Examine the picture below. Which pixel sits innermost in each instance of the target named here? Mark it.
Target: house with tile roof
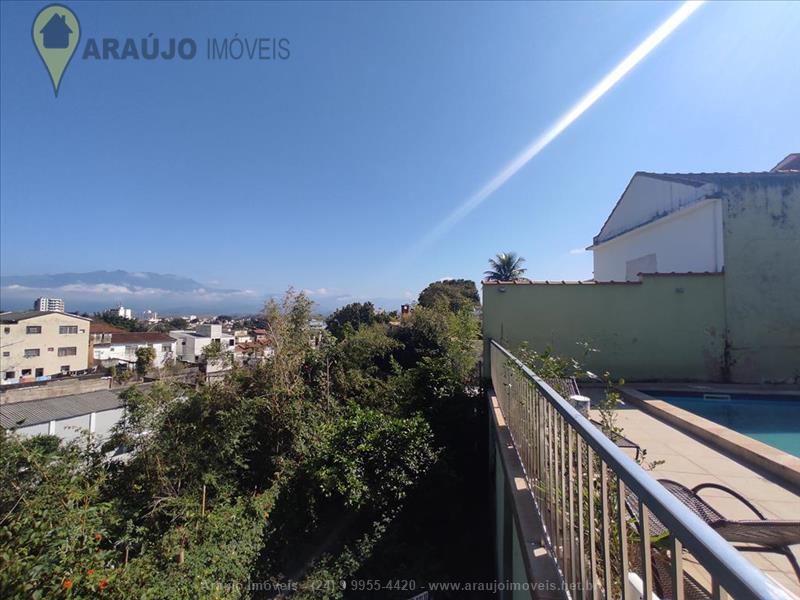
(122, 346)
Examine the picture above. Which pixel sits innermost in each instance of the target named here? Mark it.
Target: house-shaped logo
(55, 34)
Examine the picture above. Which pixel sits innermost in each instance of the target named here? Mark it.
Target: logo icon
(56, 33)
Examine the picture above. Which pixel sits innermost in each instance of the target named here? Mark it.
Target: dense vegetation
(357, 457)
(454, 294)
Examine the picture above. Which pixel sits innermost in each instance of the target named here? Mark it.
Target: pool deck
(690, 461)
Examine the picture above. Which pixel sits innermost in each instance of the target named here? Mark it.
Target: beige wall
(666, 327)
(14, 341)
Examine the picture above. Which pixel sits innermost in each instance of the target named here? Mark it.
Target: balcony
(576, 517)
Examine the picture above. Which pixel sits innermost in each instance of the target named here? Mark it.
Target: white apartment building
(38, 345)
(122, 347)
(190, 344)
(125, 313)
(49, 304)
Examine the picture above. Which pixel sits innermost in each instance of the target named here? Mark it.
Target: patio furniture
(759, 535)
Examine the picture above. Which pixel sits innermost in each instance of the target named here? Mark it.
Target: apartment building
(49, 304)
(37, 345)
(190, 344)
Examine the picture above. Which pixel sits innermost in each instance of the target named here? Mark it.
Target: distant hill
(164, 293)
(98, 290)
(132, 281)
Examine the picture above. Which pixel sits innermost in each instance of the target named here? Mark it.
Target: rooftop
(32, 412)
(141, 337)
(16, 317)
(103, 327)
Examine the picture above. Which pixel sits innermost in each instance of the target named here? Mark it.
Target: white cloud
(576, 251)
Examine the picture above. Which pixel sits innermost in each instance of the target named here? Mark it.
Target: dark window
(6, 329)
(64, 369)
(67, 329)
(33, 329)
(31, 352)
(26, 372)
(69, 351)
(39, 372)
(6, 353)
(9, 375)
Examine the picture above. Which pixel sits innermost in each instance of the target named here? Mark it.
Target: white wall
(686, 241)
(121, 352)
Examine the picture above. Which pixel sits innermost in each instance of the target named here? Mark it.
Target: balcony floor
(691, 462)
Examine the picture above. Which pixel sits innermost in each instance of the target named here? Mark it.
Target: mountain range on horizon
(142, 290)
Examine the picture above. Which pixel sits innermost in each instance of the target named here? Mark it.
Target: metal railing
(596, 505)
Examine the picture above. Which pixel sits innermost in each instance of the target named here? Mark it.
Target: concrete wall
(54, 389)
(666, 327)
(99, 423)
(699, 229)
(762, 279)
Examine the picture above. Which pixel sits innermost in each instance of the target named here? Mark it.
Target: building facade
(49, 304)
(696, 277)
(191, 343)
(38, 345)
(122, 346)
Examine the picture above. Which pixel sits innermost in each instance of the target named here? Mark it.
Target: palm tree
(506, 266)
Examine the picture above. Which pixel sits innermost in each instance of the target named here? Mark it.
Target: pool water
(770, 419)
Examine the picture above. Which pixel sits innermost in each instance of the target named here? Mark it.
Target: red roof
(141, 337)
(103, 327)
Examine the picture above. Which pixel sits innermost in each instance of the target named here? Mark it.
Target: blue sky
(323, 171)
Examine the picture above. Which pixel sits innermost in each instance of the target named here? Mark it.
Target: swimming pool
(774, 420)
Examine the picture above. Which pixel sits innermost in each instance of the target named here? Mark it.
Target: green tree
(356, 315)
(144, 359)
(454, 294)
(506, 266)
(112, 318)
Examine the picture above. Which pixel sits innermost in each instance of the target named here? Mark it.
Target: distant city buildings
(149, 316)
(49, 304)
(125, 313)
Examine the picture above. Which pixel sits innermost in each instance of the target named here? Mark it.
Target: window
(6, 353)
(33, 329)
(26, 372)
(9, 375)
(166, 347)
(68, 329)
(64, 369)
(39, 372)
(6, 329)
(69, 351)
(31, 352)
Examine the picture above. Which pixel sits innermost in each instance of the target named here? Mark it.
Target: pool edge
(777, 463)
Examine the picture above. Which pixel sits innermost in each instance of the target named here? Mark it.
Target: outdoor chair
(760, 535)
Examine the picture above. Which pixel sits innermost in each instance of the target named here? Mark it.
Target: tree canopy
(314, 465)
(355, 314)
(454, 294)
